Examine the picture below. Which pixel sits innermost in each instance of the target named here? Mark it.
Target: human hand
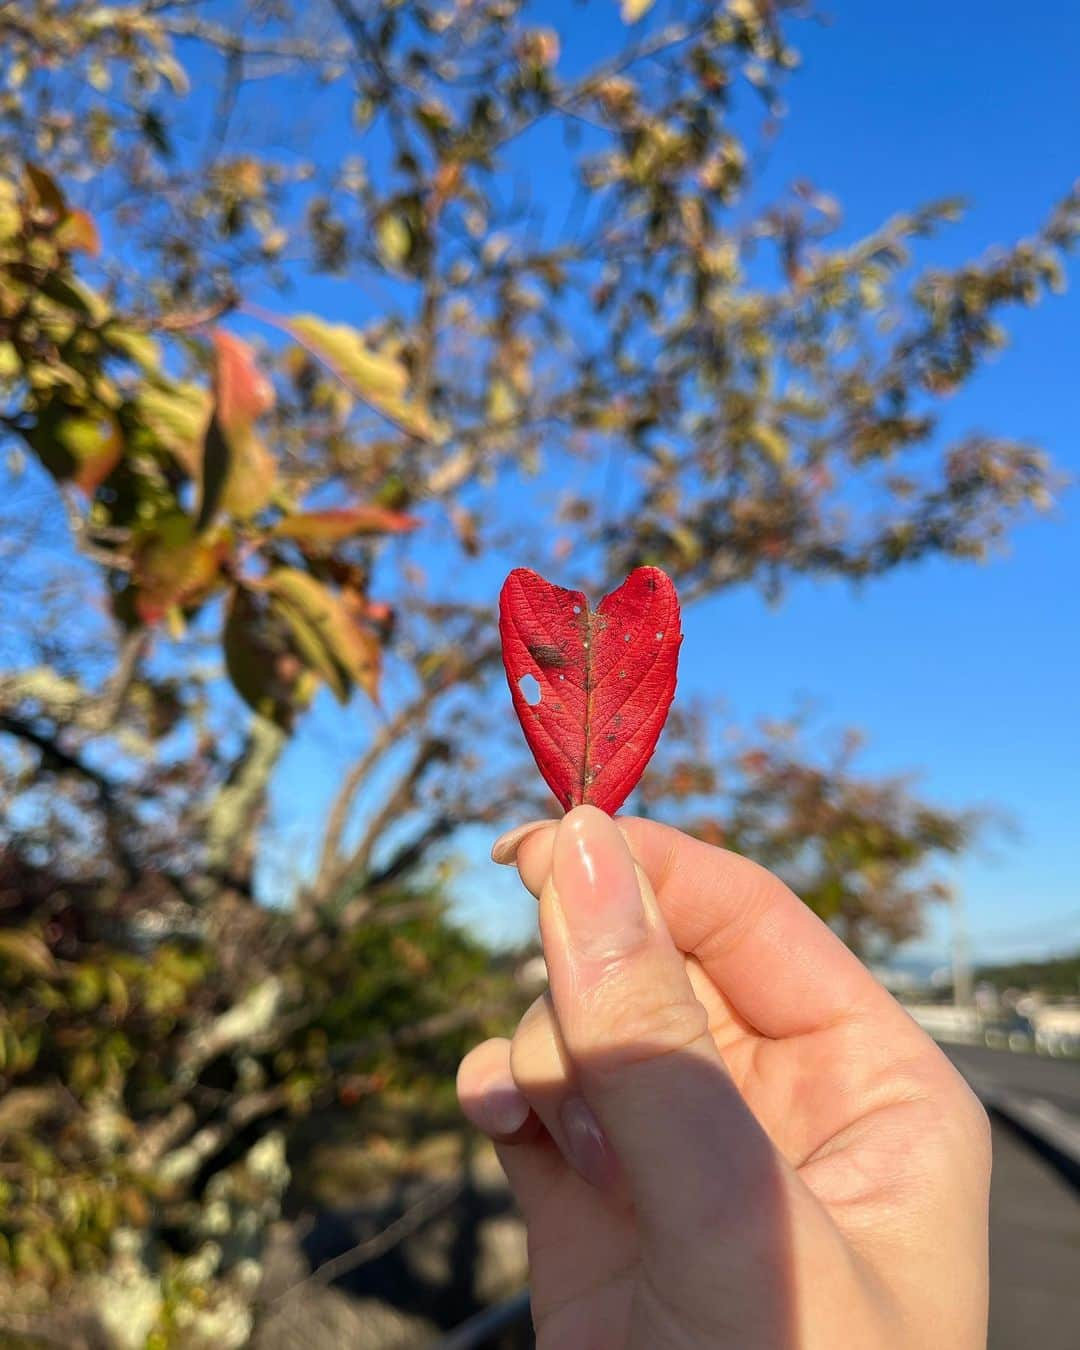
(721, 1130)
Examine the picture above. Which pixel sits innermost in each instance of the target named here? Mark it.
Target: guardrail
(1051, 1031)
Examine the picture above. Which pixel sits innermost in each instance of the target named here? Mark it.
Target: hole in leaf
(577, 609)
(626, 637)
(530, 690)
(659, 637)
(562, 677)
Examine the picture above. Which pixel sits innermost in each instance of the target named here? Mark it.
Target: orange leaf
(175, 568)
(243, 393)
(78, 231)
(331, 526)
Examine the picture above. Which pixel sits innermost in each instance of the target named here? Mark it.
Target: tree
(251, 487)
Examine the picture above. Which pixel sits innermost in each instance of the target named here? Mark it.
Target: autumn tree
(295, 345)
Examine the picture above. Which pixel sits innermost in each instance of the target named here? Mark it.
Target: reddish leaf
(77, 446)
(606, 679)
(238, 471)
(333, 525)
(243, 392)
(174, 567)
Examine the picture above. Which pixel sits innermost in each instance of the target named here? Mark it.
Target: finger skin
(774, 960)
(724, 1226)
(541, 1068)
(489, 1097)
(544, 1074)
(532, 1164)
(638, 1039)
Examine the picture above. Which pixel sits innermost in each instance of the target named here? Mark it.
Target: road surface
(1055, 1080)
(1034, 1211)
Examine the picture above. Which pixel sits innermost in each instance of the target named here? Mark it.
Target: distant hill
(1059, 975)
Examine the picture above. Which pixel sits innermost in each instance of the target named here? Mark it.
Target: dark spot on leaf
(546, 656)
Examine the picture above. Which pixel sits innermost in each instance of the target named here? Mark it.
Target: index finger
(780, 966)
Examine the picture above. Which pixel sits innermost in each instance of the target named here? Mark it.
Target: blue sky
(964, 675)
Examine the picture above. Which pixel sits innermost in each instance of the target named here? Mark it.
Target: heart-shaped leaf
(605, 679)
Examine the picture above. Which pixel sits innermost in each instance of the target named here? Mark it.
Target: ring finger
(541, 1069)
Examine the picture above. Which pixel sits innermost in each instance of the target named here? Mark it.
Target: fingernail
(504, 849)
(587, 1144)
(596, 885)
(501, 1110)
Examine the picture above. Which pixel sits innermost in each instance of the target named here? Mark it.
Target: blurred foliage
(1055, 977)
(859, 850)
(268, 502)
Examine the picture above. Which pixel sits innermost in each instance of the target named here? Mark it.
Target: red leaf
(238, 471)
(606, 679)
(243, 392)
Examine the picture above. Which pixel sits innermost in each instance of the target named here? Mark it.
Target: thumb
(638, 1038)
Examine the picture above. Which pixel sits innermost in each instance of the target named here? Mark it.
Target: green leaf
(502, 403)
(28, 952)
(253, 664)
(177, 416)
(175, 568)
(772, 442)
(136, 346)
(75, 446)
(76, 295)
(11, 216)
(10, 365)
(376, 378)
(328, 637)
(394, 239)
(633, 10)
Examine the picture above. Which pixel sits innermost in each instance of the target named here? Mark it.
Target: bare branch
(397, 803)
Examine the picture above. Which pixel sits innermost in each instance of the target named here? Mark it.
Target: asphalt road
(1054, 1080)
(1034, 1211)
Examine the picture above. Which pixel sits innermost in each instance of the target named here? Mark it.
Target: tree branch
(396, 804)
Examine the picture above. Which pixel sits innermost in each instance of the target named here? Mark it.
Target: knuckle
(534, 1054)
(622, 1027)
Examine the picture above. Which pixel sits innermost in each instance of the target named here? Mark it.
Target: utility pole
(961, 960)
